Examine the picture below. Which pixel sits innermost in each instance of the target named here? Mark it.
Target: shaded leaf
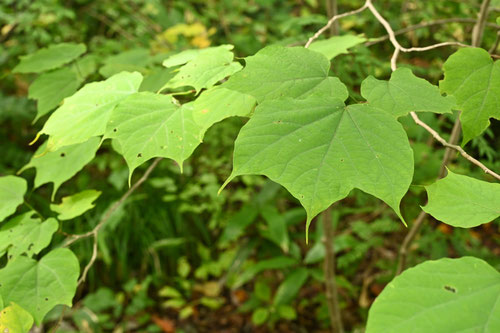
(364, 148)
(405, 92)
(130, 61)
(14, 319)
(185, 56)
(446, 295)
(288, 289)
(12, 190)
(277, 71)
(463, 201)
(60, 165)
(279, 262)
(336, 45)
(39, 286)
(75, 205)
(51, 88)
(148, 125)
(474, 79)
(86, 113)
(49, 58)
(26, 235)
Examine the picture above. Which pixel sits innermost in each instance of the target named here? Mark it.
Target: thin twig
(94, 232)
(332, 297)
(477, 32)
(428, 24)
(403, 250)
(448, 154)
(333, 20)
(495, 45)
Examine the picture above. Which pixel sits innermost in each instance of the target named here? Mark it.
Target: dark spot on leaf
(139, 155)
(341, 160)
(450, 289)
(30, 246)
(63, 154)
(114, 129)
(46, 298)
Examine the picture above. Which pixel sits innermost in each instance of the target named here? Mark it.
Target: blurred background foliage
(178, 257)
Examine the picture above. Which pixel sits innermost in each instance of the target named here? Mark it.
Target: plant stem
(477, 32)
(332, 298)
(332, 10)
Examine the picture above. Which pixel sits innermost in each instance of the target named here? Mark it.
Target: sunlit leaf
(60, 165)
(86, 113)
(12, 190)
(446, 295)
(148, 125)
(405, 92)
(474, 79)
(463, 201)
(14, 319)
(204, 69)
(49, 58)
(39, 286)
(75, 205)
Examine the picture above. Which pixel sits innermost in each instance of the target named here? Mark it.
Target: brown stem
(332, 10)
(95, 232)
(332, 298)
(410, 236)
(477, 32)
(450, 152)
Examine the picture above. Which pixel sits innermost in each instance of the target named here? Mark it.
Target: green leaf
(60, 165)
(279, 262)
(75, 205)
(14, 319)
(26, 235)
(290, 287)
(148, 125)
(320, 150)
(259, 316)
(463, 201)
(185, 56)
(86, 113)
(51, 88)
(49, 58)
(446, 295)
(262, 291)
(286, 312)
(277, 71)
(39, 286)
(155, 79)
(336, 45)
(204, 69)
(474, 79)
(277, 230)
(1, 303)
(12, 190)
(217, 104)
(85, 66)
(130, 61)
(405, 92)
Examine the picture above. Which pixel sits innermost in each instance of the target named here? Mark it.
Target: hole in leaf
(46, 298)
(114, 129)
(63, 154)
(450, 289)
(139, 155)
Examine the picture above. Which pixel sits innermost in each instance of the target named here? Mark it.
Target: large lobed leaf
(12, 190)
(474, 79)
(405, 92)
(320, 150)
(39, 286)
(463, 201)
(49, 58)
(277, 71)
(148, 125)
(60, 165)
(86, 113)
(446, 295)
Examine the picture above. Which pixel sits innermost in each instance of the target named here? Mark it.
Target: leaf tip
(35, 139)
